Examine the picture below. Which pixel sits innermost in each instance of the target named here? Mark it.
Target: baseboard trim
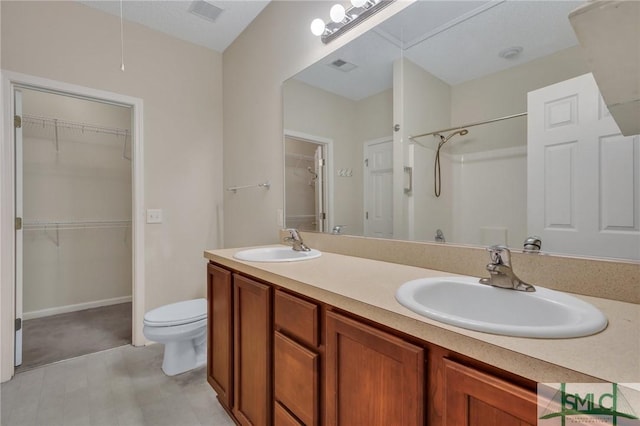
(72, 308)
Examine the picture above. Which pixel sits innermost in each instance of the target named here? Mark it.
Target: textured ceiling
(174, 18)
(456, 41)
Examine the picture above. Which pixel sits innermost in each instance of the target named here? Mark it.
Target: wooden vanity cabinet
(296, 360)
(372, 377)
(252, 351)
(475, 398)
(276, 358)
(220, 334)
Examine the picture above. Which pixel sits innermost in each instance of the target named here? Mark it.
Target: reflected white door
(320, 164)
(378, 189)
(583, 175)
(18, 214)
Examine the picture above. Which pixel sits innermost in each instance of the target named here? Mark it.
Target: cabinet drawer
(296, 378)
(281, 417)
(296, 317)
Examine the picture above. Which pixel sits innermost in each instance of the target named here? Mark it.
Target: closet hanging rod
(477, 123)
(234, 189)
(80, 224)
(56, 123)
(299, 156)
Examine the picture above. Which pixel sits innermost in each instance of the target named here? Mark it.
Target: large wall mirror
(421, 129)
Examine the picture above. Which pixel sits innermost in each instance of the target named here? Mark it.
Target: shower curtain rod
(469, 125)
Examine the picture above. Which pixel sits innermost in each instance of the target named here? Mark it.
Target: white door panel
(583, 175)
(18, 214)
(379, 189)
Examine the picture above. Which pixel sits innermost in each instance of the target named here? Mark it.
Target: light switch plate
(154, 215)
(280, 217)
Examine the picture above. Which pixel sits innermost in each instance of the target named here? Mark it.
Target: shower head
(460, 132)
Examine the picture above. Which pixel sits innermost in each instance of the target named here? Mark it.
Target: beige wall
(348, 124)
(276, 46)
(181, 87)
(505, 93)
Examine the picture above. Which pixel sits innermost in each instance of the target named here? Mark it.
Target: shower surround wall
(86, 180)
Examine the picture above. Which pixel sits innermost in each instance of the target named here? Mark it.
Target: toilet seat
(179, 313)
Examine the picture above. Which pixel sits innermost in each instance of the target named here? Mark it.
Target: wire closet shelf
(55, 123)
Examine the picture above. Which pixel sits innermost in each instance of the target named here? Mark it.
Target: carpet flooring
(63, 336)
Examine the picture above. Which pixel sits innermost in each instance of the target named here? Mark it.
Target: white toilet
(182, 327)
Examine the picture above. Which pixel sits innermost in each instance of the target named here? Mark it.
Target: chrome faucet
(501, 274)
(337, 229)
(295, 240)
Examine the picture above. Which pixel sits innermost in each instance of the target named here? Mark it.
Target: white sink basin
(276, 254)
(463, 302)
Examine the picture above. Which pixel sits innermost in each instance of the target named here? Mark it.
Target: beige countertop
(367, 288)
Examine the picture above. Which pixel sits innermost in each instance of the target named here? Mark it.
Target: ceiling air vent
(205, 10)
(342, 65)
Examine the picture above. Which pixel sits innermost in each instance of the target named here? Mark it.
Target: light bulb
(337, 13)
(317, 27)
(358, 3)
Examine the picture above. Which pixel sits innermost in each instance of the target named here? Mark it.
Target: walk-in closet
(74, 188)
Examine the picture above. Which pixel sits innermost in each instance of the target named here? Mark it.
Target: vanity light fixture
(343, 20)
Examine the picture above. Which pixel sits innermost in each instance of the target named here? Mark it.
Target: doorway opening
(72, 219)
(74, 249)
(307, 192)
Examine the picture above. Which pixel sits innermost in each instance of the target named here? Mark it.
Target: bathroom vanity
(325, 342)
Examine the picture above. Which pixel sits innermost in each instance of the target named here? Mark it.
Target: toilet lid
(179, 313)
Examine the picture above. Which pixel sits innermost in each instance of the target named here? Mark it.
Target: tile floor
(118, 387)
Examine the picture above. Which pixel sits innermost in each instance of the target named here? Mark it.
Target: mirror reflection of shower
(437, 180)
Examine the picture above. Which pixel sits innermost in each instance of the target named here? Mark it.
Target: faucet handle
(293, 234)
(500, 255)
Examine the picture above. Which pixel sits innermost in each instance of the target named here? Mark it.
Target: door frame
(328, 144)
(10, 81)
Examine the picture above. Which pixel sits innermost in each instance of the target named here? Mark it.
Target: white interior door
(19, 216)
(378, 189)
(583, 175)
(321, 216)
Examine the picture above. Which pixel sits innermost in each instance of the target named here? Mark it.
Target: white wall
(489, 191)
(181, 86)
(85, 179)
(426, 103)
(276, 46)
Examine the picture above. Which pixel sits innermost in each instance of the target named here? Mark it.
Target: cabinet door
(220, 334)
(474, 398)
(372, 377)
(252, 354)
(295, 379)
(281, 417)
